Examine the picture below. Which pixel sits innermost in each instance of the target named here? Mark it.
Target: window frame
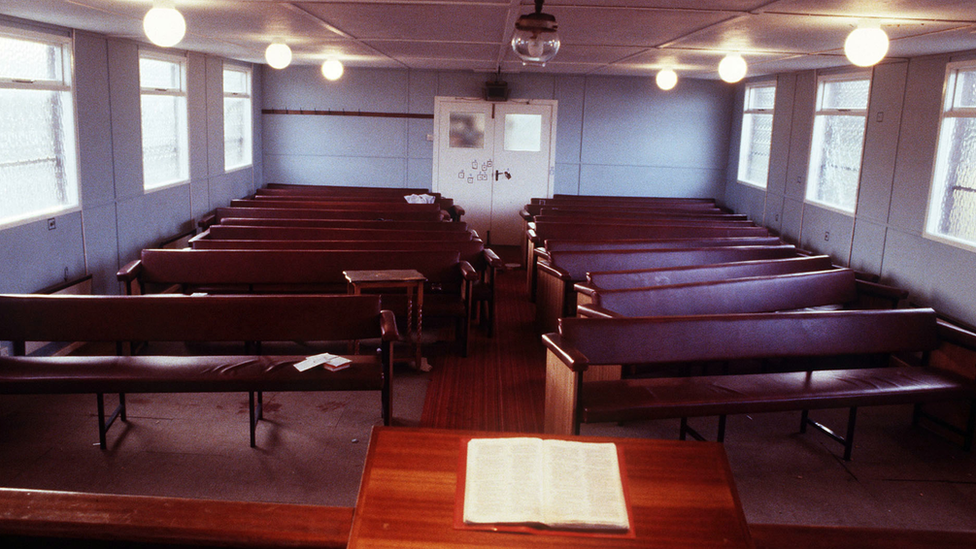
(746, 111)
(249, 95)
(65, 84)
(937, 179)
(180, 91)
(820, 111)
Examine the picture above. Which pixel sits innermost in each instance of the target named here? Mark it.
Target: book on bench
(550, 483)
(328, 361)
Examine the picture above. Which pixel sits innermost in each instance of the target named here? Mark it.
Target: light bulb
(278, 55)
(164, 25)
(666, 79)
(732, 68)
(332, 69)
(536, 46)
(866, 45)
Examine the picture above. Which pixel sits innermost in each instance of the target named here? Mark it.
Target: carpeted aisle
(500, 386)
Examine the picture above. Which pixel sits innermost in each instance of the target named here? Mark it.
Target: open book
(328, 361)
(556, 483)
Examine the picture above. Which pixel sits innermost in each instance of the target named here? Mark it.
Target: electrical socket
(52, 224)
(826, 236)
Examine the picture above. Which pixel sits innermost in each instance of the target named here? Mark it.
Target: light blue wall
(884, 237)
(614, 135)
(117, 218)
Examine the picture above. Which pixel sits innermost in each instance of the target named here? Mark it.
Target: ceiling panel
(599, 36)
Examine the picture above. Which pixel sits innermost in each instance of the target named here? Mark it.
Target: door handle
(505, 173)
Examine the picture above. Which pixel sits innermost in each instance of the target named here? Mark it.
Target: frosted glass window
(38, 158)
(952, 196)
(237, 118)
(838, 141)
(523, 132)
(467, 130)
(757, 133)
(165, 143)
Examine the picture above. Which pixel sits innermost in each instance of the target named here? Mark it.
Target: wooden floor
(500, 385)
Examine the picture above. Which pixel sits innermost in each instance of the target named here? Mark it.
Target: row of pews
(627, 321)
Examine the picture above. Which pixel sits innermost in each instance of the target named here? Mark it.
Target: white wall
(614, 135)
(884, 236)
(117, 218)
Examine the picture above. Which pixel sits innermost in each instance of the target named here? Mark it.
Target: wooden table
(681, 495)
(411, 280)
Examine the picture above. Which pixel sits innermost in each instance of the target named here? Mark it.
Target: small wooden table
(413, 281)
(681, 495)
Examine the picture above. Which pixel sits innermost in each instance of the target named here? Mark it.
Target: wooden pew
(345, 224)
(584, 343)
(539, 232)
(175, 318)
(46, 518)
(642, 278)
(447, 293)
(834, 287)
(348, 189)
(558, 276)
(236, 232)
(308, 213)
(802, 536)
(377, 207)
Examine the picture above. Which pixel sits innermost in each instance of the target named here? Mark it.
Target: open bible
(555, 483)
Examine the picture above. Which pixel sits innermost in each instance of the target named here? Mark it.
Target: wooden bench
(802, 536)
(558, 276)
(585, 343)
(447, 292)
(309, 213)
(204, 319)
(378, 207)
(836, 287)
(232, 232)
(642, 278)
(342, 223)
(540, 232)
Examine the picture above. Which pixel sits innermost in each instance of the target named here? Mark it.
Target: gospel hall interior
(616, 135)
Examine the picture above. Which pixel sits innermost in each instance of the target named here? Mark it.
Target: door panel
(492, 158)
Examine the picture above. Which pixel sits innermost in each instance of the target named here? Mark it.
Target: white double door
(492, 158)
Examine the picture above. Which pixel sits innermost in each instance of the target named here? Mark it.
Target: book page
(503, 481)
(583, 486)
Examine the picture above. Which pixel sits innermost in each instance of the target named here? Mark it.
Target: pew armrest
(592, 311)
(572, 358)
(388, 327)
(469, 273)
(494, 262)
(129, 275)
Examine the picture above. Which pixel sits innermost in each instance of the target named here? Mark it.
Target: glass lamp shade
(535, 40)
(866, 45)
(164, 26)
(278, 55)
(666, 79)
(332, 69)
(732, 68)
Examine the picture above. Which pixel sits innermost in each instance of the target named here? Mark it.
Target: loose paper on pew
(327, 360)
(556, 483)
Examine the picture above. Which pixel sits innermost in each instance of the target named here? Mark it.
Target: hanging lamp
(535, 40)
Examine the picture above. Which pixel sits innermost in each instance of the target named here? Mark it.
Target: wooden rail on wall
(349, 113)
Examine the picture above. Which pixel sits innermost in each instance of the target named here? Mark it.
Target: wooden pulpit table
(411, 280)
(681, 494)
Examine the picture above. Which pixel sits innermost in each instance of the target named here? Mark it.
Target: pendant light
(164, 25)
(732, 68)
(278, 55)
(666, 79)
(867, 44)
(332, 69)
(535, 40)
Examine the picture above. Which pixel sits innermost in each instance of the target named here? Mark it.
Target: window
(838, 140)
(952, 196)
(237, 117)
(165, 146)
(757, 133)
(38, 151)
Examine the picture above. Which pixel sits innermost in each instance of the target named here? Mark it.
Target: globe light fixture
(332, 69)
(866, 45)
(278, 55)
(666, 79)
(732, 68)
(164, 25)
(535, 40)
